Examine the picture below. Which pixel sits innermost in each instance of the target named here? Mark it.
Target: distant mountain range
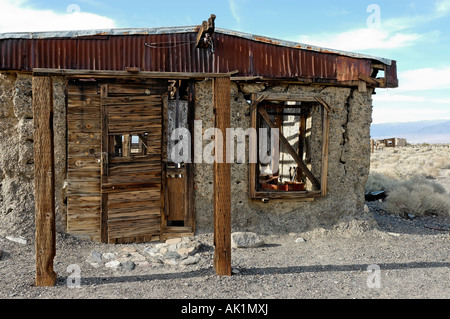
(433, 132)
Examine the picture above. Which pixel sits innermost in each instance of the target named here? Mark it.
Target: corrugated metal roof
(173, 50)
(182, 29)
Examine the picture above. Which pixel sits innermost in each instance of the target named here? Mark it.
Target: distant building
(400, 142)
(389, 142)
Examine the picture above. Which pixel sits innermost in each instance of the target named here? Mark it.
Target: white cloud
(363, 39)
(393, 33)
(408, 113)
(19, 16)
(390, 96)
(234, 10)
(425, 79)
(442, 8)
(441, 101)
(423, 92)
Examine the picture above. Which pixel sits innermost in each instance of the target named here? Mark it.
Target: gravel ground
(412, 256)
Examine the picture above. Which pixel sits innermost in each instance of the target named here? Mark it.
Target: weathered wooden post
(222, 180)
(44, 180)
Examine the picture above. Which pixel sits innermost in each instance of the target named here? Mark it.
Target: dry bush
(443, 162)
(406, 175)
(406, 162)
(418, 200)
(417, 180)
(381, 182)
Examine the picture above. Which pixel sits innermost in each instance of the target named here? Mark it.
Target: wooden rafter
(287, 97)
(369, 80)
(324, 104)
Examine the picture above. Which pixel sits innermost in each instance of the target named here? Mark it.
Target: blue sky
(415, 33)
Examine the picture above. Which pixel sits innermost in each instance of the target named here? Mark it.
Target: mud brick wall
(349, 162)
(16, 154)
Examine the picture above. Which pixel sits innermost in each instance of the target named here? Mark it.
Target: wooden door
(131, 161)
(83, 152)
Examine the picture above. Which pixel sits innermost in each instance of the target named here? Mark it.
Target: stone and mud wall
(348, 168)
(16, 154)
(349, 161)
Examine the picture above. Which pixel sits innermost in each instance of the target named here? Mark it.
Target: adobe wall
(16, 154)
(349, 162)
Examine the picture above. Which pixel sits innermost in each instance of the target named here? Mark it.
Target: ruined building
(116, 96)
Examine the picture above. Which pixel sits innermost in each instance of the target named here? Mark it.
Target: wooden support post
(190, 220)
(362, 87)
(222, 181)
(253, 166)
(326, 141)
(44, 181)
(301, 177)
(105, 148)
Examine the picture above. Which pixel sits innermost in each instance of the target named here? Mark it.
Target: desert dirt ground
(394, 258)
(413, 261)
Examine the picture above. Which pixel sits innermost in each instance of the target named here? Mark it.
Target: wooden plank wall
(84, 151)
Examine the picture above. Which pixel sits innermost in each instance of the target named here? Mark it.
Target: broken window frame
(256, 113)
(126, 147)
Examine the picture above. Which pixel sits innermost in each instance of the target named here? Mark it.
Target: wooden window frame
(320, 186)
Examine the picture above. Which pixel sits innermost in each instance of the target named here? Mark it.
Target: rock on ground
(113, 264)
(19, 240)
(128, 265)
(246, 240)
(190, 261)
(96, 257)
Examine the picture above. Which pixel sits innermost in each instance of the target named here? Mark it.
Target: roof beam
(369, 80)
(145, 74)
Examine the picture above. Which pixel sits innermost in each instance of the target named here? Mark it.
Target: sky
(414, 33)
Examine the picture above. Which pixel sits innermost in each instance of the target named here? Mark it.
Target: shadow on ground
(258, 271)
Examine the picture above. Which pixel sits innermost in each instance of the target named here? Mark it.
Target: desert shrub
(443, 162)
(417, 199)
(411, 183)
(381, 182)
(408, 176)
(408, 162)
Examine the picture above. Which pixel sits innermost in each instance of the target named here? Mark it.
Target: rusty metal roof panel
(182, 29)
(173, 50)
